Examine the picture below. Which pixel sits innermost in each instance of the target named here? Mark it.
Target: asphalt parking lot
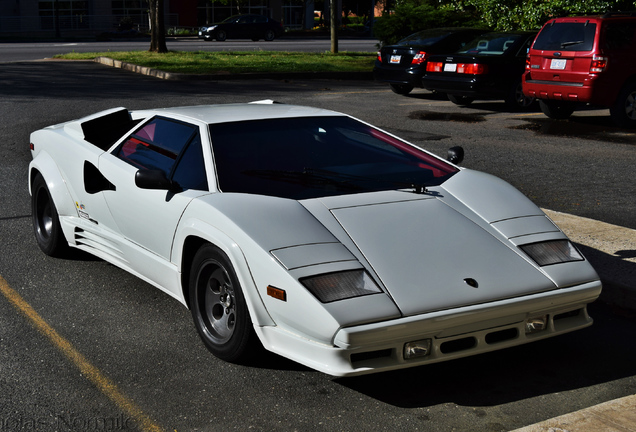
(112, 350)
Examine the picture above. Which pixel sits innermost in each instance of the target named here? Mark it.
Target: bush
(408, 19)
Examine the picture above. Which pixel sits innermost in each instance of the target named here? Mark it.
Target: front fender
(196, 228)
(46, 166)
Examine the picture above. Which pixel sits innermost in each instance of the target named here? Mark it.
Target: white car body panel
(420, 249)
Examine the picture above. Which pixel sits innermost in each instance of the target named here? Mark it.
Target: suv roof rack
(619, 14)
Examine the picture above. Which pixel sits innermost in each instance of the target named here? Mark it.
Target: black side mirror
(455, 155)
(154, 179)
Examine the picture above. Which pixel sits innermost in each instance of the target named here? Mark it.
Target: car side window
(170, 146)
(619, 36)
(190, 170)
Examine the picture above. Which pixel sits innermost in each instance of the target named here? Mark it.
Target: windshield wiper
(345, 182)
(417, 188)
(566, 44)
(305, 177)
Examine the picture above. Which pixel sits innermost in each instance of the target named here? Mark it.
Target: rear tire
(460, 100)
(269, 35)
(556, 110)
(46, 222)
(623, 112)
(401, 89)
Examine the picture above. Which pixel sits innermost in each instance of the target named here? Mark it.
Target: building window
(72, 14)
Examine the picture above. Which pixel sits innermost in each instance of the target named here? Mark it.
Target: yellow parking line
(104, 384)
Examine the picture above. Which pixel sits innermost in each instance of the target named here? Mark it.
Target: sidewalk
(612, 251)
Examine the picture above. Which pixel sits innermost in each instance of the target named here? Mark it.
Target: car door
(147, 218)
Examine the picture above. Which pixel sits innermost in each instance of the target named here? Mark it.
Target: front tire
(556, 110)
(623, 112)
(221, 35)
(517, 100)
(218, 307)
(46, 222)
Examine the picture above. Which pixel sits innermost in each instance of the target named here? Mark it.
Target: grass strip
(204, 62)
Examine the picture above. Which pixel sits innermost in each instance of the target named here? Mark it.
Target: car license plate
(450, 67)
(395, 58)
(557, 64)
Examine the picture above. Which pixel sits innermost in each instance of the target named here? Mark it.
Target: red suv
(589, 59)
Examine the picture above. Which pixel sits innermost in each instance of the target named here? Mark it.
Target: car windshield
(490, 44)
(231, 19)
(566, 36)
(313, 157)
(425, 37)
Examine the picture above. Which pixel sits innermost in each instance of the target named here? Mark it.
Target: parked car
(403, 64)
(332, 242)
(585, 60)
(251, 26)
(488, 67)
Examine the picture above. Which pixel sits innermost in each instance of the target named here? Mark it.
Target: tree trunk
(157, 30)
(333, 15)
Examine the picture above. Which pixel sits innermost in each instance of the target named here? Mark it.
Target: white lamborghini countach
(318, 236)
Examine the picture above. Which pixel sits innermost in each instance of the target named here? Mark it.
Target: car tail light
(379, 56)
(434, 66)
(472, 68)
(419, 58)
(599, 64)
(527, 62)
(462, 68)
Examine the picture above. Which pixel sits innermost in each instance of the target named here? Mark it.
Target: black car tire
(623, 112)
(460, 100)
(46, 221)
(401, 89)
(517, 100)
(218, 307)
(269, 35)
(556, 110)
(221, 35)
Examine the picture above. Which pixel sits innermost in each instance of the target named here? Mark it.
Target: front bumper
(454, 333)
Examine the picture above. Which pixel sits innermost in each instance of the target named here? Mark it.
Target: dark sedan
(489, 67)
(253, 27)
(403, 64)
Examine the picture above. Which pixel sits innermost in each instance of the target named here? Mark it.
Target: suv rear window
(566, 36)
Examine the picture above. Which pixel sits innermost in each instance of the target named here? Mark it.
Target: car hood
(454, 245)
(431, 257)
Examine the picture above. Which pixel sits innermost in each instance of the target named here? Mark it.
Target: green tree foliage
(532, 14)
(409, 17)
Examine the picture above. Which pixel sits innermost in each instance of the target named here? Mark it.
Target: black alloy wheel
(218, 307)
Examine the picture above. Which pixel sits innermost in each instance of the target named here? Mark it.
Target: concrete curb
(143, 70)
(618, 415)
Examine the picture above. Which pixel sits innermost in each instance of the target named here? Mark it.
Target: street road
(119, 352)
(12, 51)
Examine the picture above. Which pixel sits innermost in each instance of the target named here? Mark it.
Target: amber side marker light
(277, 293)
